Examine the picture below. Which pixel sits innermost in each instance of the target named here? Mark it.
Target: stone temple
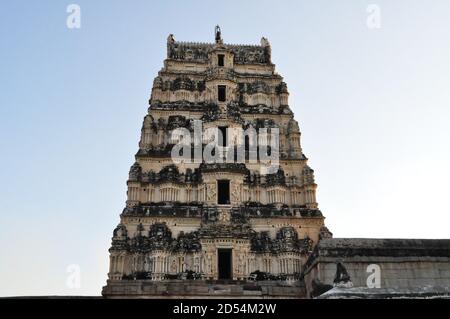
(233, 224)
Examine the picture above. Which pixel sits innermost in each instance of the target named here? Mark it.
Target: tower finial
(218, 35)
(170, 39)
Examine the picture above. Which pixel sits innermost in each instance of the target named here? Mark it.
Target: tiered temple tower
(230, 220)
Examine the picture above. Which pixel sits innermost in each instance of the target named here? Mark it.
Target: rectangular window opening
(222, 93)
(223, 194)
(221, 60)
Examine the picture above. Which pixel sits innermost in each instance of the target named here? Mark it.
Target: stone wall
(403, 263)
(179, 289)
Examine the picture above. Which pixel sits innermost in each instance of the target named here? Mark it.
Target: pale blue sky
(373, 107)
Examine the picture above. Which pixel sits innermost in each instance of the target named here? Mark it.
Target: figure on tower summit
(218, 35)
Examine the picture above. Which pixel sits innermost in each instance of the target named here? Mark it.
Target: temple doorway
(225, 263)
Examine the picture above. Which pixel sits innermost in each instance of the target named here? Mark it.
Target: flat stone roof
(342, 248)
(384, 247)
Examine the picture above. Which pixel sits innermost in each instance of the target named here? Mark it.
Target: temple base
(193, 289)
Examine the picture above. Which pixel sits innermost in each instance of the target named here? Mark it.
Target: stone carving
(308, 175)
(156, 151)
(342, 278)
(199, 52)
(224, 216)
(262, 109)
(218, 36)
(135, 172)
(183, 83)
(276, 179)
(195, 209)
(282, 88)
(120, 232)
(255, 87)
(234, 113)
(211, 113)
(120, 239)
(235, 193)
(187, 242)
(263, 276)
(160, 239)
(192, 209)
(139, 229)
(170, 174)
(224, 167)
(176, 121)
(265, 42)
(240, 264)
(293, 126)
(251, 55)
(325, 233)
(286, 241)
(158, 83)
(261, 242)
(179, 106)
(159, 232)
(308, 244)
(173, 267)
(170, 39)
(209, 263)
(211, 192)
(231, 230)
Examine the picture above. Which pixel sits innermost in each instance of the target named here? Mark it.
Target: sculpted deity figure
(218, 33)
(287, 233)
(211, 192)
(265, 42)
(224, 217)
(173, 267)
(241, 263)
(235, 193)
(209, 264)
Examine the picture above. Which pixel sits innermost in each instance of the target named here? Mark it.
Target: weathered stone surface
(403, 263)
(174, 225)
(425, 292)
(200, 289)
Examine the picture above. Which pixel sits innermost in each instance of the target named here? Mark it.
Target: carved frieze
(199, 52)
(286, 241)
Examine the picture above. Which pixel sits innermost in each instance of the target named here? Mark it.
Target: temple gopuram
(221, 201)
